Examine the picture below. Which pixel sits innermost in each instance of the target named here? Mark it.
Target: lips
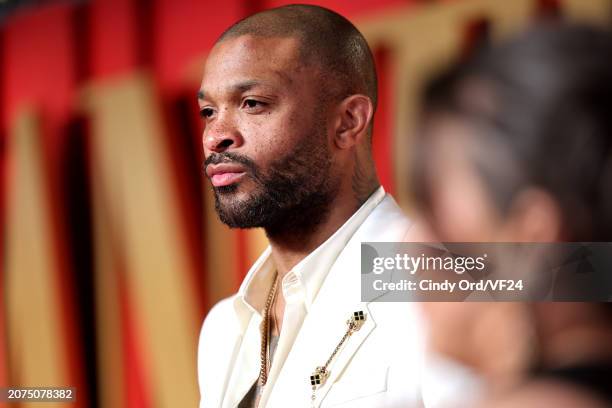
(224, 174)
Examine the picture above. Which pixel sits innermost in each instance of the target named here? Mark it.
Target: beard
(294, 194)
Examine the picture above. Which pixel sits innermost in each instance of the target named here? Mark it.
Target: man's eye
(253, 103)
(206, 112)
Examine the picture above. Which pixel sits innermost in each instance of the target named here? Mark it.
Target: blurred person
(515, 146)
(287, 100)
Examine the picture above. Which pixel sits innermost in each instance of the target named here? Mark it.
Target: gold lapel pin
(356, 321)
(321, 373)
(318, 377)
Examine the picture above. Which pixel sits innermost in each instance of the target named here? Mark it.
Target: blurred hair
(327, 40)
(544, 102)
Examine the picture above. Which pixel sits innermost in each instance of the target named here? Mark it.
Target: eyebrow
(245, 85)
(239, 87)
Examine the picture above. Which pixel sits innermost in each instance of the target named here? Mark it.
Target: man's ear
(354, 116)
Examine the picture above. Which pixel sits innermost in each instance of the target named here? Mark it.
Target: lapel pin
(321, 373)
(356, 321)
(318, 377)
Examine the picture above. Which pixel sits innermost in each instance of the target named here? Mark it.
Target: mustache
(227, 157)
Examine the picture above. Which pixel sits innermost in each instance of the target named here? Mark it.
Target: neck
(291, 245)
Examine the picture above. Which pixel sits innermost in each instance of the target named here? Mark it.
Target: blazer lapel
(338, 299)
(321, 332)
(325, 323)
(248, 362)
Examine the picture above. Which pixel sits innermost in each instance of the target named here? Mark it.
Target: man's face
(266, 148)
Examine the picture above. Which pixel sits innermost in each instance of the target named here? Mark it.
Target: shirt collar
(305, 279)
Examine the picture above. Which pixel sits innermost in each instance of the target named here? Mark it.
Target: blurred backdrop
(111, 252)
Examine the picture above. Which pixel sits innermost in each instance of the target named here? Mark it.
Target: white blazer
(381, 365)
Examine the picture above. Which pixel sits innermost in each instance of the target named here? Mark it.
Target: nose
(221, 135)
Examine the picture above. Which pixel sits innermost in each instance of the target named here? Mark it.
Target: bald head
(327, 40)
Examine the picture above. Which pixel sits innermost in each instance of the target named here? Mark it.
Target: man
(287, 98)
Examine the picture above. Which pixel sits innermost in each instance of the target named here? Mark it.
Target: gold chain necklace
(265, 333)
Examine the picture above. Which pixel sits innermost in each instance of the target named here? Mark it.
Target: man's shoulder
(390, 208)
(220, 315)
(219, 323)
(387, 222)
(215, 348)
